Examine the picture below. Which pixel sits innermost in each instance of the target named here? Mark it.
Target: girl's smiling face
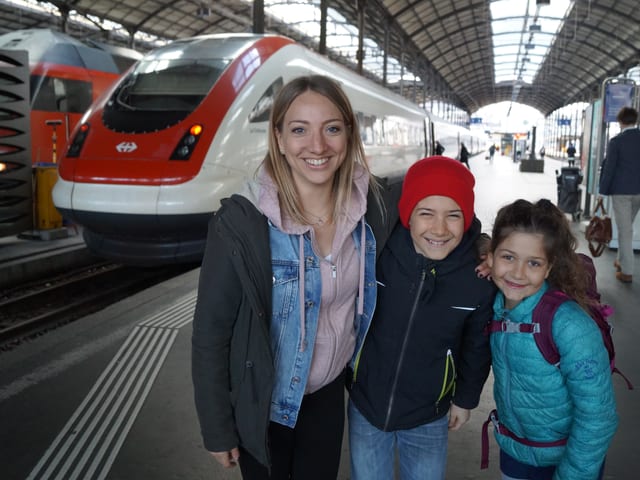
(519, 266)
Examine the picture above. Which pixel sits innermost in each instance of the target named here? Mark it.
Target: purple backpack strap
(503, 430)
(543, 315)
(540, 325)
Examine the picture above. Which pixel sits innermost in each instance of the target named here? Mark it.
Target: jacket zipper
(356, 362)
(423, 275)
(449, 372)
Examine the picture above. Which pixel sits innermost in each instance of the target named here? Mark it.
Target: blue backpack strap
(543, 315)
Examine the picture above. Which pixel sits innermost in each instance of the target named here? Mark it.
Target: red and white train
(66, 77)
(187, 126)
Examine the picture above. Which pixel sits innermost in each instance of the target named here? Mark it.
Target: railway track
(35, 308)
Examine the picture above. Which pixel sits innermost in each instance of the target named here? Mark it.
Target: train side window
(262, 109)
(53, 94)
(75, 96)
(43, 95)
(390, 131)
(366, 124)
(378, 129)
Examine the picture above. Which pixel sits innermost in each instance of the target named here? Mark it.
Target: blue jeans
(513, 469)
(422, 451)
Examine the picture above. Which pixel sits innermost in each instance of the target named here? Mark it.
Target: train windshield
(173, 88)
(168, 84)
(161, 85)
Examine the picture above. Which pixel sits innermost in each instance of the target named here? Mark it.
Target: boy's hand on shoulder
(483, 270)
(483, 245)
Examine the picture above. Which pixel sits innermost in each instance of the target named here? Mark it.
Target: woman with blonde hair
(286, 293)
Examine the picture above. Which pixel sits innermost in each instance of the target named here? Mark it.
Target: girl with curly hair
(553, 421)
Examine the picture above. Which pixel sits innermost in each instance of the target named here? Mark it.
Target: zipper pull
(333, 271)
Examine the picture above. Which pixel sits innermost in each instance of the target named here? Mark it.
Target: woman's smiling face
(313, 139)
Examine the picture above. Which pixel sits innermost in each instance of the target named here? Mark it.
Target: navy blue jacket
(621, 167)
(425, 346)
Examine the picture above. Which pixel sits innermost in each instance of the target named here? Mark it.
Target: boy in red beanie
(425, 358)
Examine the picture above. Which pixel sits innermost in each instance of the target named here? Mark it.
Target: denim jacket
(234, 387)
(292, 359)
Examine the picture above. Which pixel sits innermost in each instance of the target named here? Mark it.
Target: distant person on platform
(542, 152)
(492, 152)
(620, 178)
(464, 155)
(439, 149)
(571, 154)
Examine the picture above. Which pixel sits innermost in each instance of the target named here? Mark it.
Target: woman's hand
(227, 459)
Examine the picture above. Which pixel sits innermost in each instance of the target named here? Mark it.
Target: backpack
(545, 310)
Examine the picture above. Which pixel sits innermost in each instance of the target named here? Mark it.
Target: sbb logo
(126, 147)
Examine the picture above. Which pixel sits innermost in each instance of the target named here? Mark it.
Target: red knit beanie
(437, 175)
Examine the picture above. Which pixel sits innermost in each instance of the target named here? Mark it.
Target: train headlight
(78, 141)
(181, 153)
(187, 143)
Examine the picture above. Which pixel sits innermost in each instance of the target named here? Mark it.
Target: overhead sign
(616, 96)
(476, 119)
(564, 121)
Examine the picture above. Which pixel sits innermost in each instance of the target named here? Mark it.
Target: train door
(429, 142)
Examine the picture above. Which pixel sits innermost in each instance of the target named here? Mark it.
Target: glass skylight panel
(87, 20)
(342, 37)
(506, 25)
(511, 25)
(299, 16)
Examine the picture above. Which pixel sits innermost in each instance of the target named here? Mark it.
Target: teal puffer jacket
(541, 402)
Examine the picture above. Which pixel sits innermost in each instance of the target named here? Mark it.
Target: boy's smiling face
(437, 226)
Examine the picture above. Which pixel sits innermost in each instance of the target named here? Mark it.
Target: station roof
(447, 44)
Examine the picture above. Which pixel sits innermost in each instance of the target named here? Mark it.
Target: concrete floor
(43, 385)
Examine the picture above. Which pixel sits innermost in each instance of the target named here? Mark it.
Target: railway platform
(27, 259)
(110, 396)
